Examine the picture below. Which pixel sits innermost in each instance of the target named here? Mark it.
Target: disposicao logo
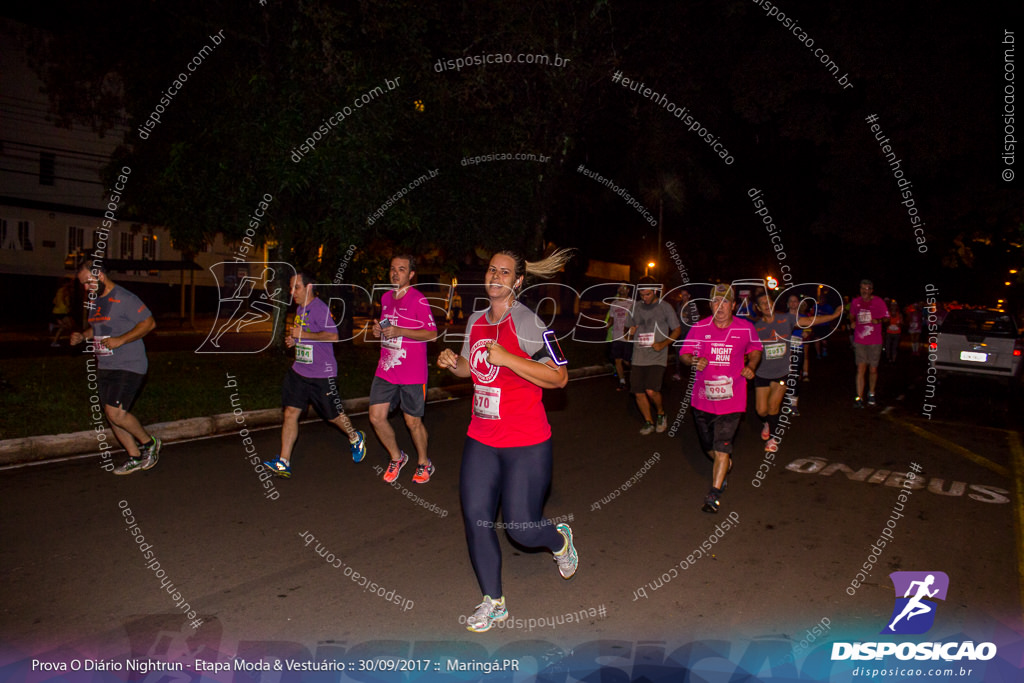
(914, 613)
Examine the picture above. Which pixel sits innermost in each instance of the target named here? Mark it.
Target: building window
(47, 168)
(19, 236)
(76, 239)
(127, 245)
(150, 252)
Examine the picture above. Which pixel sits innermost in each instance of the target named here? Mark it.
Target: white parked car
(980, 342)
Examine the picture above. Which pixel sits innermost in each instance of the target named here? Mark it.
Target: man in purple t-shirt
(725, 350)
(406, 325)
(867, 314)
(311, 378)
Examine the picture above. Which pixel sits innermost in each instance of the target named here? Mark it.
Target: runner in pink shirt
(406, 325)
(867, 315)
(725, 351)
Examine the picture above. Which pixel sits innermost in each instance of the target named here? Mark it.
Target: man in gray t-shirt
(118, 320)
(653, 326)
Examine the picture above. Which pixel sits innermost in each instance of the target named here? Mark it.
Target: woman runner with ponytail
(507, 455)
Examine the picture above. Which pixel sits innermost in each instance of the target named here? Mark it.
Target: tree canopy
(403, 78)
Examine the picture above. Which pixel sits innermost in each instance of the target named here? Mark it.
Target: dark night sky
(931, 72)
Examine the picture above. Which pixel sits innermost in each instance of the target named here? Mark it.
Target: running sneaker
(279, 467)
(662, 423)
(871, 400)
(131, 465)
(394, 467)
(711, 503)
(765, 433)
(151, 453)
(358, 447)
(567, 559)
(648, 428)
(771, 445)
(487, 613)
(858, 402)
(622, 386)
(423, 473)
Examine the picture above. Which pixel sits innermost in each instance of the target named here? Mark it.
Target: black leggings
(518, 479)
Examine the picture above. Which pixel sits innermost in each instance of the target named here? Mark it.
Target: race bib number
(864, 316)
(774, 350)
(718, 389)
(304, 354)
(645, 339)
(486, 401)
(395, 343)
(99, 349)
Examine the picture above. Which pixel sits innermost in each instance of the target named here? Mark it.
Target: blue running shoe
(358, 447)
(278, 467)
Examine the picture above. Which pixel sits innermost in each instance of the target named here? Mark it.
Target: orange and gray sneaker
(394, 467)
(423, 473)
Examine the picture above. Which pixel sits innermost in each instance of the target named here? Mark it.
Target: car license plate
(973, 356)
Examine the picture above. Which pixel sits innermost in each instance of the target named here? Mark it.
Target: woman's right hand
(447, 359)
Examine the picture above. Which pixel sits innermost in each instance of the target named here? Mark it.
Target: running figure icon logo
(914, 613)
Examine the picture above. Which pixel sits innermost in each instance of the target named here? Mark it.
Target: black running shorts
(322, 392)
(716, 432)
(120, 388)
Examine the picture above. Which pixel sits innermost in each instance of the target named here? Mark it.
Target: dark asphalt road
(76, 581)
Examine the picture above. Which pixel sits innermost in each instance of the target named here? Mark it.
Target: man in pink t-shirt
(725, 351)
(867, 315)
(406, 325)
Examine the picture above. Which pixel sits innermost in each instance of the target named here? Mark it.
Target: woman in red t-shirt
(507, 455)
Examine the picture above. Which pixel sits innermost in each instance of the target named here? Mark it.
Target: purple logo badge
(914, 612)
